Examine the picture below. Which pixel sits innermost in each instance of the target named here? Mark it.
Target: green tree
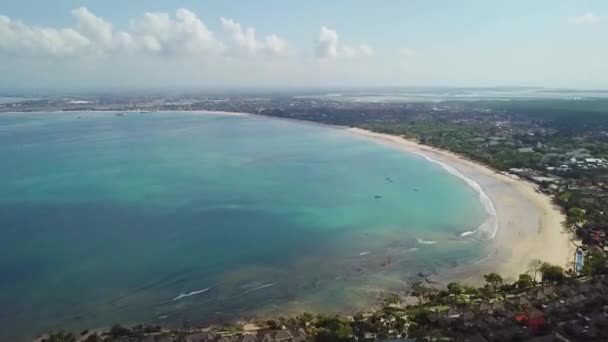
(332, 323)
(574, 215)
(344, 332)
(272, 324)
(552, 273)
(304, 318)
(455, 288)
(595, 264)
(470, 290)
(493, 279)
(524, 281)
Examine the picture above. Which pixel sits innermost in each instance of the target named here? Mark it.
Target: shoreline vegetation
(546, 302)
(531, 236)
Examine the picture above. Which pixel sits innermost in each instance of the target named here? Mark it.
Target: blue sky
(135, 43)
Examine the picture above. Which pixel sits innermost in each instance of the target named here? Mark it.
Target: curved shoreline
(529, 225)
(492, 221)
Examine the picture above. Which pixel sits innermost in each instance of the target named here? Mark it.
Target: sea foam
(488, 229)
(184, 295)
(261, 287)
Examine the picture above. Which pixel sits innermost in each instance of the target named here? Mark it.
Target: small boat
(121, 114)
(416, 189)
(377, 196)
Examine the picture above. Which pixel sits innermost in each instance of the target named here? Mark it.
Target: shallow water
(166, 217)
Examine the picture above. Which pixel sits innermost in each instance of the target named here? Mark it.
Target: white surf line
(487, 257)
(189, 294)
(492, 221)
(261, 287)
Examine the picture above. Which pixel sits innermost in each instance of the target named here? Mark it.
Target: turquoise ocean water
(173, 217)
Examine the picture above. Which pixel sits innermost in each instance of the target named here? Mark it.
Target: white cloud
(18, 38)
(406, 52)
(245, 40)
(275, 44)
(155, 33)
(587, 18)
(101, 32)
(185, 34)
(328, 46)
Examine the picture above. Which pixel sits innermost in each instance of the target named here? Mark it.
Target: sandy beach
(529, 224)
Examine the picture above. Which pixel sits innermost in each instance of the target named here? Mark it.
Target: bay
(168, 217)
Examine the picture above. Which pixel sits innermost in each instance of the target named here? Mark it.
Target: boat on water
(121, 114)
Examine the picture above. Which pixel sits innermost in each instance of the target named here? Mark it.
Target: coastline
(529, 224)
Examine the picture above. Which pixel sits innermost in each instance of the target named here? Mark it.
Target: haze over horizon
(89, 45)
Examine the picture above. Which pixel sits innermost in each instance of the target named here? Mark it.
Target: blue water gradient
(166, 217)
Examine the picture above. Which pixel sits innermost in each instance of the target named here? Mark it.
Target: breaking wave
(189, 294)
(488, 229)
(261, 287)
